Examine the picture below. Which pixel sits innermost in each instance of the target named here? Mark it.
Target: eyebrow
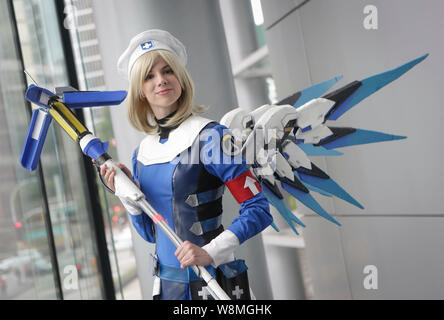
(163, 68)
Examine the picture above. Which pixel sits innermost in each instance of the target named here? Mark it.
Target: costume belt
(169, 273)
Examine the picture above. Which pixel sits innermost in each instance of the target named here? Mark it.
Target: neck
(165, 119)
(163, 112)
(164, 130)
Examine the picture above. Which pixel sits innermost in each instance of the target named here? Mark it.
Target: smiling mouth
(163, 92)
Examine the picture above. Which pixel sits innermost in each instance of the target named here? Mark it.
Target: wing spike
(344, 137)
(308, 200)
(330, 186)
(357, 91)
(279, 204)
(301, 97)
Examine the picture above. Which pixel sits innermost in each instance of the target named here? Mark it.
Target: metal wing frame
(277, 140)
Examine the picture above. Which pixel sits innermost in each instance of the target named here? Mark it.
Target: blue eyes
(164, 72)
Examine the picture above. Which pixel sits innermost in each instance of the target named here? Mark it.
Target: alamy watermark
(371, 279)
(71, 278)
(371, 19)
(211, 148)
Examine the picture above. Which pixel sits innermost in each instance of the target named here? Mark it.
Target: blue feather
(282, 208)
(311, 150)
(308, 200)
(331, 187)
(312, 188)
(315, 91)
(361, 136)
(371, 85)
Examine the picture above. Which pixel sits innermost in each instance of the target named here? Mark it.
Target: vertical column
(290, 73)
(241, 40)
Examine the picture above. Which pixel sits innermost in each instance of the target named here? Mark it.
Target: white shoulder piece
(151, 151)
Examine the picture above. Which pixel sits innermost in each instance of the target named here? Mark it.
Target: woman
(183, 170)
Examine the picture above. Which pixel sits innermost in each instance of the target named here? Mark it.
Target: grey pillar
(197, 23)
(241, 38)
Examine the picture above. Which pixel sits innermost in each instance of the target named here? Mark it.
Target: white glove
(221, 248)
(131, 206)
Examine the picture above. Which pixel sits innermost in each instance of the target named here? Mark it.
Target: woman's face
(162, 89)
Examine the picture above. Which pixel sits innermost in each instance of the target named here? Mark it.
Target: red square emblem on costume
(244, 186)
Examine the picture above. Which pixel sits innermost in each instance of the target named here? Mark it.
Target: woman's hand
(190, 254)
(109, 174)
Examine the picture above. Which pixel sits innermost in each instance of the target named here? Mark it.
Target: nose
(162, 80)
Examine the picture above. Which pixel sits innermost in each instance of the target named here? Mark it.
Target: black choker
(164, 131)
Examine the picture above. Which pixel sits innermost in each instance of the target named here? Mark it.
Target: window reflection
(91, 77)
(26, 269)
(61, 159)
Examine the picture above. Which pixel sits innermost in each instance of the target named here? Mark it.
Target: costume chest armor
(177, 185)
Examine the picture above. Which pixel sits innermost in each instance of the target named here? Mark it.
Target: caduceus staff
(58, 107)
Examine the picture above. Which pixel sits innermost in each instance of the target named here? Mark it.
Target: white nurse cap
(146, 41)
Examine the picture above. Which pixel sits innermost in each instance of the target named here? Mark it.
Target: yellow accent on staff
(68, 121)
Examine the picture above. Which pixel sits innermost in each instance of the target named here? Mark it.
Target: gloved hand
(108, 175)
(130, 206)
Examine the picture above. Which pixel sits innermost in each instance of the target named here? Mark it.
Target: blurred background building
(62, 236)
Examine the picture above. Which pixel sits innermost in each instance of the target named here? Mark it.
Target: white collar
(151, 151)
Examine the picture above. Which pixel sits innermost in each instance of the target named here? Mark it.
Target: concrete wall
(399, 183)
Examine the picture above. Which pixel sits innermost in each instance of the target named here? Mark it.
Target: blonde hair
(140, 114)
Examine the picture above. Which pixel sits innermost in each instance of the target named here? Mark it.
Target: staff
(52, 108)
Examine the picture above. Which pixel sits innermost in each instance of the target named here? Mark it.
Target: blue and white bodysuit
(183, 173)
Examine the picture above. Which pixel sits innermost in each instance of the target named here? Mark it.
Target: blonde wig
(140, 114)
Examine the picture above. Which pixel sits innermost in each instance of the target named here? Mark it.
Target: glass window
(27, 270)
(25, 267)
(80, 22)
